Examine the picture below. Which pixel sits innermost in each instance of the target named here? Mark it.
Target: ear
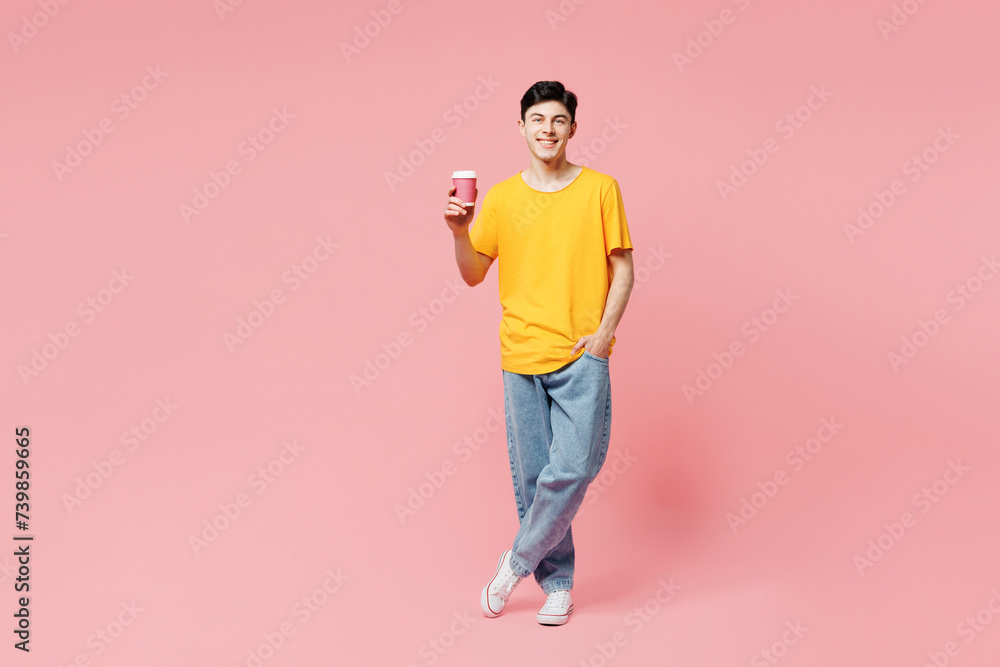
(572, 130)
(520, 127)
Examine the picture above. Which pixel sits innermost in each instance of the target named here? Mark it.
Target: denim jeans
(558, 426)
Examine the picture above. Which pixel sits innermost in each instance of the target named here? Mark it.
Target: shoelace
(556, 600)
(507, 585)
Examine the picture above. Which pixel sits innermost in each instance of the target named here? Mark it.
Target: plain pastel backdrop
(265, 413)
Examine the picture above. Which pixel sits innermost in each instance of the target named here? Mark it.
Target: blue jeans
(558, 426)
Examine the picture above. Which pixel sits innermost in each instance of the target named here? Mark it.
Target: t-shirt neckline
(520, 177)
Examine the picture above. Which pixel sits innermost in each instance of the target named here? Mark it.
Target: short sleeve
(613, 214)
(483, 232)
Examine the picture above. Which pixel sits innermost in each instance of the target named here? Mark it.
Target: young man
(565, 254)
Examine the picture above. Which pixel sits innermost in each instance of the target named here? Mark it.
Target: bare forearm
(470, 265)
(614, 307)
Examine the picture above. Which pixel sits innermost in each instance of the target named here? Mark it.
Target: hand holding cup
(461, 202)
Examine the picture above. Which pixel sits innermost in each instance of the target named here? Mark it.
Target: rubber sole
(551, 619)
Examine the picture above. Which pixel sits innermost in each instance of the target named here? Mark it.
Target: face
(547, 128)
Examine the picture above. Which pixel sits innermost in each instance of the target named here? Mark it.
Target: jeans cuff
(554, 585)
(516, 566)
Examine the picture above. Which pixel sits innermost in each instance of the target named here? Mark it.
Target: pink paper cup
(465, 186)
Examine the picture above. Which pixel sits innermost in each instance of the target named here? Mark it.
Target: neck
(549, 171)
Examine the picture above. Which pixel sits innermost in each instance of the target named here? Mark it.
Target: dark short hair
(545, 91)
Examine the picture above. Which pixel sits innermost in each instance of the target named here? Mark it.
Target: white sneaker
(557, 608)
(495, 593)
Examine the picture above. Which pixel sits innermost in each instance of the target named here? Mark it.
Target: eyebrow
(558, 115)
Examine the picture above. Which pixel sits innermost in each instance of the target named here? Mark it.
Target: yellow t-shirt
(552, 251)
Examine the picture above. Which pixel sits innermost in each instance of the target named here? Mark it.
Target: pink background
(402, 587)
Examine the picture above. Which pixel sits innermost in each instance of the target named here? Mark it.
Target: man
(560, 233)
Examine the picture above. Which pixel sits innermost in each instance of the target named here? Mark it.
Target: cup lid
(463, 174)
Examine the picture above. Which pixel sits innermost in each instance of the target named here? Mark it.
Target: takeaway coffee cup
(465, 186)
